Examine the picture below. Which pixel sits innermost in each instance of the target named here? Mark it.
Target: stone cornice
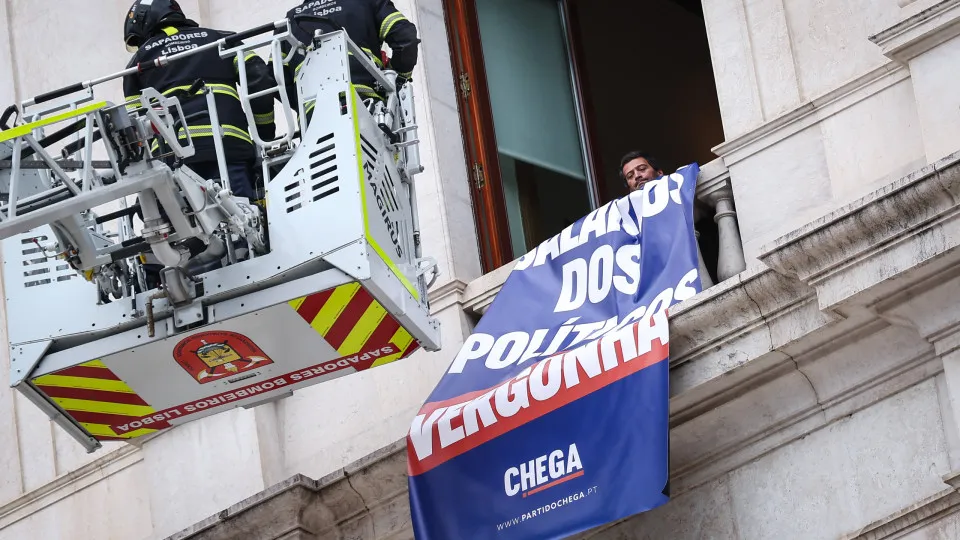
(896, 220)
(73, 482)
(367, 499)
(811, 113)
(481, 291)
(447, 295)
(915, 517)
(921, 32)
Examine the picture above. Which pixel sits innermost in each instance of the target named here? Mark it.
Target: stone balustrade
(715, 190)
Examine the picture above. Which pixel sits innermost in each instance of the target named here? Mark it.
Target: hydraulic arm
(124, 265)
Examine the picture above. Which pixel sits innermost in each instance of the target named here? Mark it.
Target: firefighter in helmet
(369, 23)
(155, 28)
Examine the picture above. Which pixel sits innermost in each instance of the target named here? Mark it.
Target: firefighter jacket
(369, 23)
(220, 75)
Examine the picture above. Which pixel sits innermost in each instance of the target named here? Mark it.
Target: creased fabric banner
(553, 417)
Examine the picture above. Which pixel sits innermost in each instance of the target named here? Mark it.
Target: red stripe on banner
(110, 419)
(553, 484)
(313, 304)
(89, 373)
(92, 395)
(434, 405)
(381, 336)
(349, 318)
(659, 352)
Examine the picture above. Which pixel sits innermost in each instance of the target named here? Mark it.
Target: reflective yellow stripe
(248, 56)
(170, 30)
(25, 129)
(234, 131)
(363, 205)
(266, 118)
(333, 307)
(388, 23)
(132, 102)
(401, 339)
(361, 332)
(367, 92)
(103, 430)
(94, 363)
(364, 90)
(223, 89)
(103, 407)
(207, 131)
(374, 57)
(406, 75)
(87, 383)
(297, 302)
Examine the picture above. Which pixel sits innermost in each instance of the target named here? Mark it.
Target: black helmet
(145, 16)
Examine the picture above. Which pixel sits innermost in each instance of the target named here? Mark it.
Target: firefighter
(369, 23)
(155, 28)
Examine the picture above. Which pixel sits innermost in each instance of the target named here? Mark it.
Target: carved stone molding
(73, 482)
(921, 32)
(366, 500)
(916, 517)
(480, 293)
(447, 295)
(811, 113)
(858, 250)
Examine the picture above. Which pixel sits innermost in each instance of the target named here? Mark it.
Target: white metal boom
(126, 317)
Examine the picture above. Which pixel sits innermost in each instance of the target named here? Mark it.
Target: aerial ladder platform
(141, 296)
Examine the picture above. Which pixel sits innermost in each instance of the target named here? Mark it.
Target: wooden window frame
(479, 135)
(479, 138)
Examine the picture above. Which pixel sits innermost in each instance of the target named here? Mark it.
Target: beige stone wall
(815, 113)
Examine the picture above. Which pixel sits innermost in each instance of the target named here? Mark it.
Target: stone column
(715, 189)
(731, 261)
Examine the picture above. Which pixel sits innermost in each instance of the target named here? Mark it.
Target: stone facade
(815, 393)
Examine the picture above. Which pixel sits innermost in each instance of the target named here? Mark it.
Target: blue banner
(553, 417)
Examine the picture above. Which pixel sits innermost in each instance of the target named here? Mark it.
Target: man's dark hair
(634, 154)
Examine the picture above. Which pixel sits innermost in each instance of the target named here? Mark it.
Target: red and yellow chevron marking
(352, 321)
(96, 398)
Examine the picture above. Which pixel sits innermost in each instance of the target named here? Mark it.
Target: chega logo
(543, 472)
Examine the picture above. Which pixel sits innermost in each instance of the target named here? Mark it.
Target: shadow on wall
(649, 82)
